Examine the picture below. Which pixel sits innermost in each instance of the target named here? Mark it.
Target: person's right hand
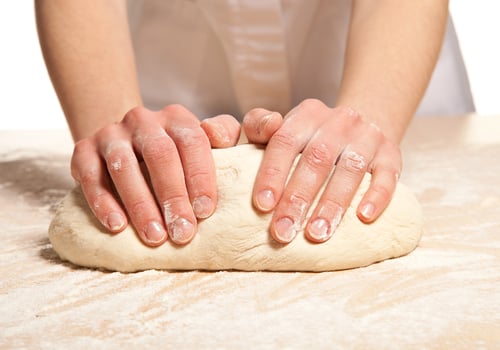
(176, 150)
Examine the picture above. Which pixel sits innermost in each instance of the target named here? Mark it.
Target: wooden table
(446, 294)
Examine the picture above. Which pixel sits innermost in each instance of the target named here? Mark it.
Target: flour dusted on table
(236, 236)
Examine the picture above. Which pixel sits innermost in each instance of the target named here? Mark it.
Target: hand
(176, 152)
(338, 139)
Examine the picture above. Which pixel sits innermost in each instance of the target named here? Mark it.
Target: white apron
(228, 56)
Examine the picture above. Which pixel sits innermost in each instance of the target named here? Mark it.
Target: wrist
(392, 125)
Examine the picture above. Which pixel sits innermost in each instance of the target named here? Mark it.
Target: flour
(236, 236)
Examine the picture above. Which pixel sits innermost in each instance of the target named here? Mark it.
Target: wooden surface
(446, 294)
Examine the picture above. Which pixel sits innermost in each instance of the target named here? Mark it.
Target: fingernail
(335, 213)
(319, 230)
(368, 210)
(203, 207)
(181, 231)
(220, 133)
(154, 232)
(265, 200)
(263, 123)
(285, 229)
(115, 221)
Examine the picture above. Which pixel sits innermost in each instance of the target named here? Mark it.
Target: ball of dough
(236, 236)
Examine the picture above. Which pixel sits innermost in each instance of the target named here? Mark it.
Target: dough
(236, 236)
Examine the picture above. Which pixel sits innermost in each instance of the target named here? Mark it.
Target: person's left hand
(336, 139)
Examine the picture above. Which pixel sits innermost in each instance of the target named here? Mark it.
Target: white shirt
(228, 56)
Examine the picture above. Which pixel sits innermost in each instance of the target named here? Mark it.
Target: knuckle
(284, 139)
(332, 210)
(83, 146)
(376, 129)
(178, 114)
(311, 104)
(79, 158)
(98, 202)
(88, 177)
(197, 134)
(353, 162)
(296, 197)
(348, 111)
(295, 204)
(297, 201)
(138, 206)
(107, 132)
(329, 205)
(391, 169)
(392, 175)
(374, 132)
(175, 200)
(119, 159)
(174, 205)
(190, 137)
(318, 156)
(390, 165)
(355, 120)
(271, 171)
(135, 116)
(198, 172)
(348, 117)
(155, 148)
(198, 177)
(174, 108)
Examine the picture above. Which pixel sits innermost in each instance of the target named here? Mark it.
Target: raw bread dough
(236, 236)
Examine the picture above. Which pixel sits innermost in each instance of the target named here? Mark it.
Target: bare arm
(391, 52)
(88, 53)
(89, 56)
(392, 49)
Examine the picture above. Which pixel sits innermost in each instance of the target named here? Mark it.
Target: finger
(343, 184)
(312, 170)
(167, 178)
(337, 196)
(260, 124)
(131, 185)
(275, 166)
(222, 130)
(196, 158)
(89, 171)
(385, 176)
(283, 147)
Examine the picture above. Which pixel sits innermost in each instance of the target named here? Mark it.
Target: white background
(28, 101)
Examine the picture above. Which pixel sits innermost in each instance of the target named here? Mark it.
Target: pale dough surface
(236, 236)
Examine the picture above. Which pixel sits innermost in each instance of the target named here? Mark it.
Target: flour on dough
(236, 236)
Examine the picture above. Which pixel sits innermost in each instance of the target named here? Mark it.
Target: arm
(391, 52)
(89, 56)
(88, 53)
(392, 48)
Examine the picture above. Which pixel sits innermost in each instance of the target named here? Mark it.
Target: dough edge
(236, 236)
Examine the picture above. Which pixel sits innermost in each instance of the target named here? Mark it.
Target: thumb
(260, 124)
(222, 130)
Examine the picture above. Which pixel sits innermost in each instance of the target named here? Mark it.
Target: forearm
(391, 52)
(89, 57)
